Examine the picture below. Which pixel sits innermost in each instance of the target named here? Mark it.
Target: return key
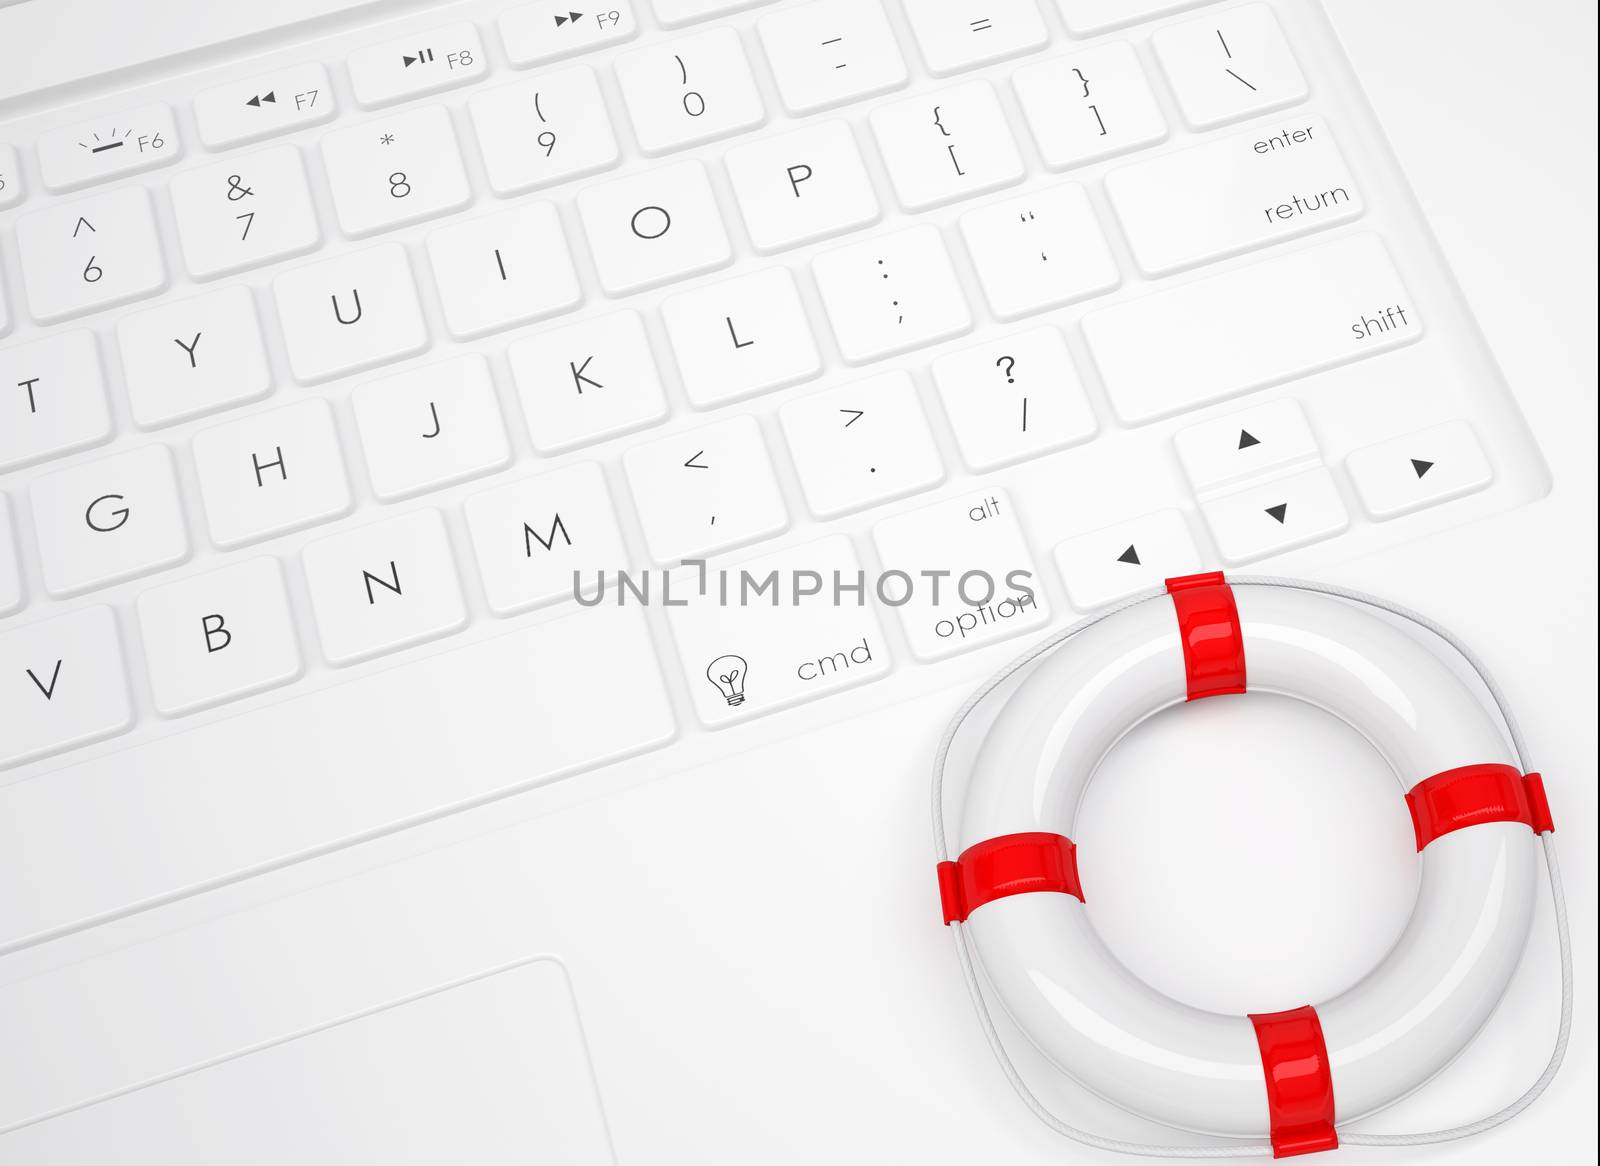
(1233, 195)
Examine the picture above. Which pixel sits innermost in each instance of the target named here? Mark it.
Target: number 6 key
(82, 256)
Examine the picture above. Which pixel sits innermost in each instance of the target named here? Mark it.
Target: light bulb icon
(728, 673)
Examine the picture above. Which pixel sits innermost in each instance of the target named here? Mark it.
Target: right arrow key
(1422, 469)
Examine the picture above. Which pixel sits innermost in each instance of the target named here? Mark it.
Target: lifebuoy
(1292, 1076)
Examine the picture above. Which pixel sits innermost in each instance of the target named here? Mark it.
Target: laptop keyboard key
(890, 294)
(971, 578)
(1089, 105)
(79, 257)
(951, 39)
(1276, 516)
(395, 170)
(654, 227)
(52, 398)
(109, 520)
(1230, 66)
(1039, 251)
(830, 52)
(1014, 397)
(244, 212)
(587, 382)
(547, 31)
(752, 656)
(946, 145)
(349, 313)
(705, 490)
(62, 685)
(112, 146)
(1407, 473)
(191, 357)
(429, 427)
(1242, 445)
(503, 269)
(802, 186)
(741, 337)
(1251, 327)
(218, 636)
(271, 473)
(861, 444)
(1120, 560)
(684, 92)
(533, 538)
(288, 99)
(537, 133)
(423, 62)
(380, 588)
(10, 564)
(11, 188)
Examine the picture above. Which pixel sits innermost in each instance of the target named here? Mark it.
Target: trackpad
(492, 1071)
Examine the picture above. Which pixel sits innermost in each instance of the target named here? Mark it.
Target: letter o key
(656, 222)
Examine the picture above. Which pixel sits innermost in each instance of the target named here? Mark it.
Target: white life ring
(1288, 1076)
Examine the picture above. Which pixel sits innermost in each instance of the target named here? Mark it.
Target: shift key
(1251, 327)
(1232, 195)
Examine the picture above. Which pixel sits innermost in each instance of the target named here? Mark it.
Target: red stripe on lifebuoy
(1294, 1059)
(1012, 864)
(1208, 625)
(1474, 794)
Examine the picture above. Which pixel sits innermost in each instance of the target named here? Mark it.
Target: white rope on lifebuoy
(1178, 1065)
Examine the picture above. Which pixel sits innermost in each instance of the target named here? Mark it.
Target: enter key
(1233, 194)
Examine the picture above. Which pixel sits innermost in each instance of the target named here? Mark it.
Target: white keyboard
(313, 359)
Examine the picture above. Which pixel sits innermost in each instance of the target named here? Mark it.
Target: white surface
(952, 39)
(1195, 1069)
(10, 564)
(831, 52)
(102, 1007)
(1115, 562)
(532, 36)
(890, 294)
(503, 1054)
